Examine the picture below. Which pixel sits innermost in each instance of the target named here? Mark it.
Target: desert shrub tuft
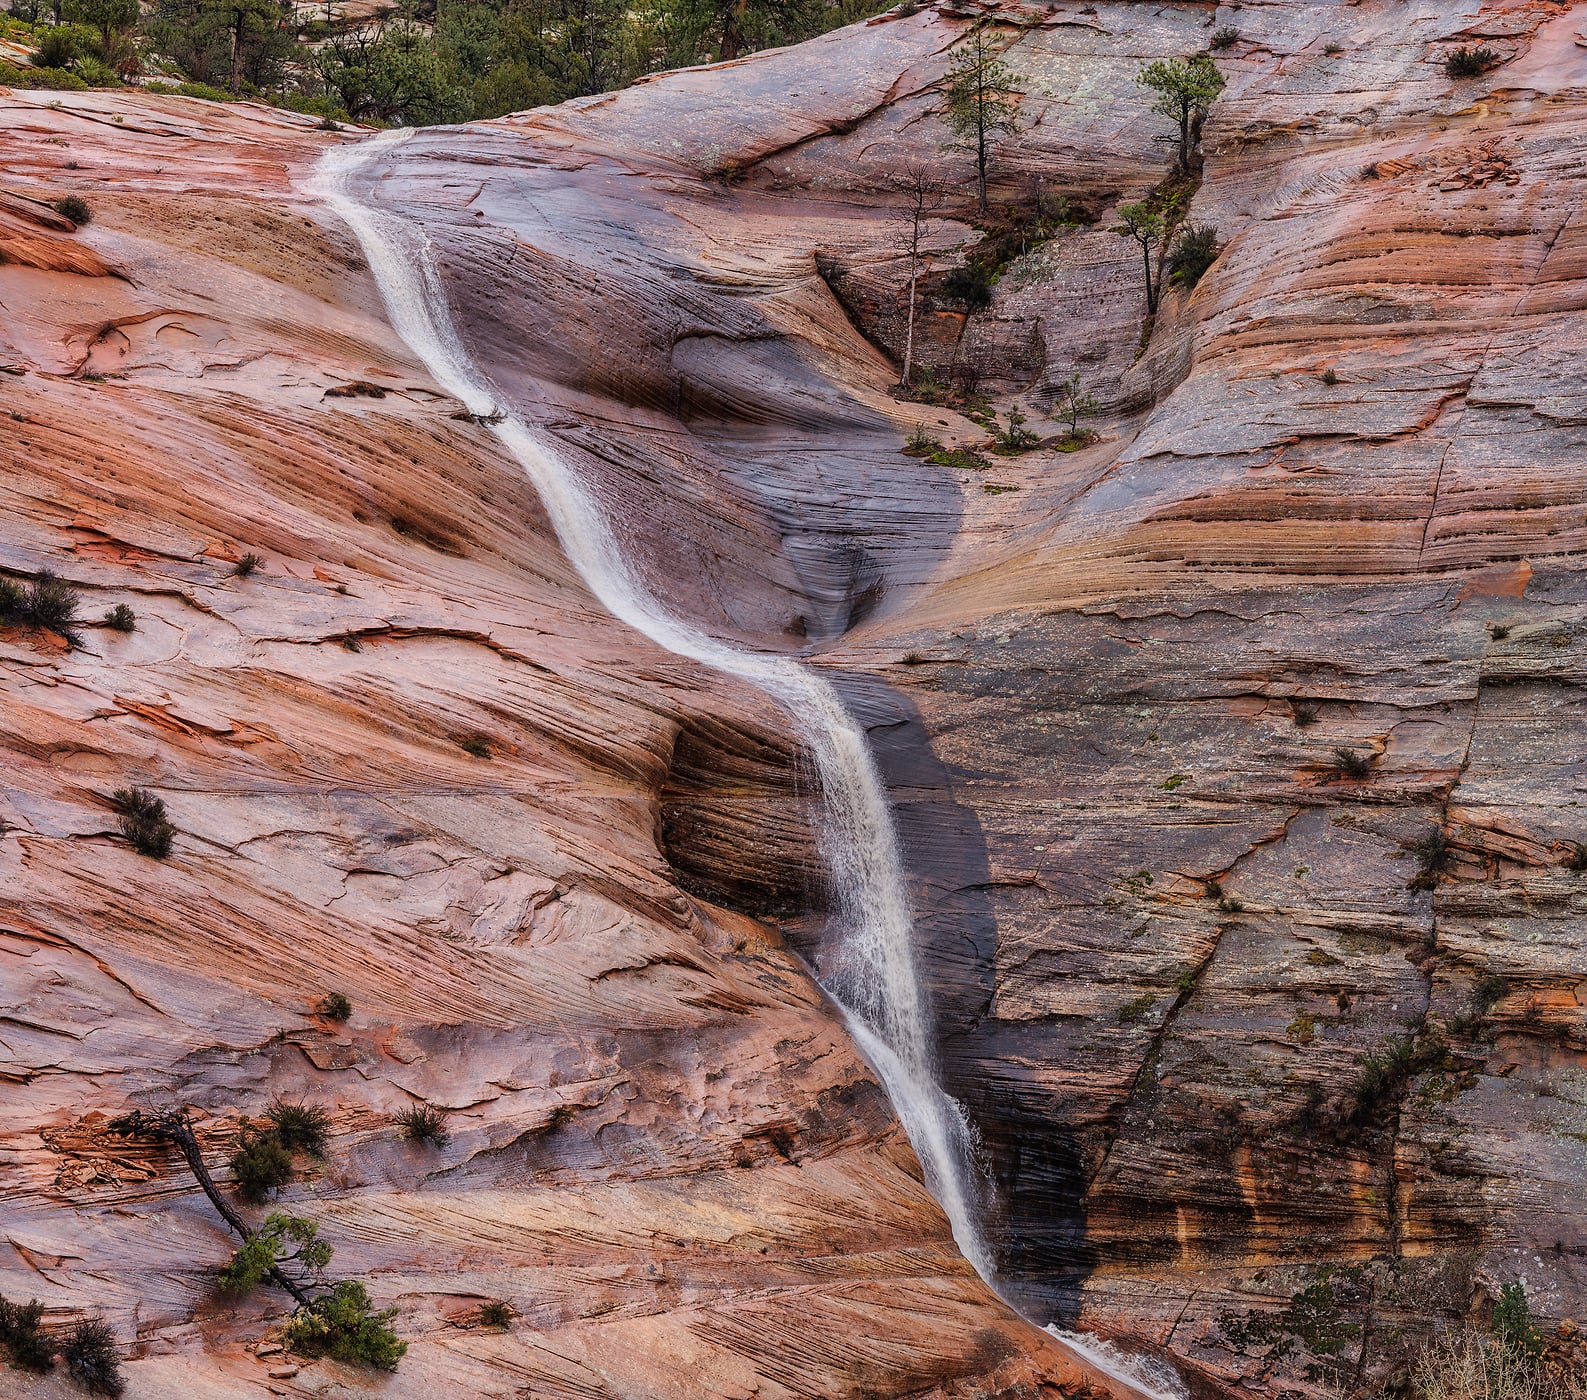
(261, 1164)
(47, 602)
(1195, 250)
(1350, 764)
(121, 618)
(344, 1325)
(31, 1348)
(1330, 377)
(1432, 851)
(301, 1127)
(1304, 713)
(89, 1352)
(335, 1007)
(1498, 631)
(422, 1122)
(475, 744)
(1224, 37)
(495, 1314)
(1467, 62)
(247, 565)
(75, 208)
(143, 821)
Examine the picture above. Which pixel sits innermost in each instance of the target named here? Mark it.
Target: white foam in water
(1155, 1379)
(876, 982)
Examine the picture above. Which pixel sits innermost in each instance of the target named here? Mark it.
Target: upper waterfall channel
(877, 984)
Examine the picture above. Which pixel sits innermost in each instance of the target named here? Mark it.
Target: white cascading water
(877, 983)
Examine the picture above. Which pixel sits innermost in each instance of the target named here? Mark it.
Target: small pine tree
(983, 102)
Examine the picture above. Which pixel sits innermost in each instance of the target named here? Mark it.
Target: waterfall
(876, 982)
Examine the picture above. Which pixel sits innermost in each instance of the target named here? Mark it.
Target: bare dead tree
(923, 197)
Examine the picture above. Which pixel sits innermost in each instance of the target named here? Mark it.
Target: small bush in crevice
(476, 745)
(495, 1314)
(335, 1007)
(1498, 631)
(422, 1122)
(971, 284)
(301, 1127)
(75, 208)
(1303, 712)
(1383, 1075)
(1467, 62)
(247, 565)
(1224, 37)
(1329, 376)
(30, 1347)
(344, 1326)
(1350, 764)
(121, 618)
(91, 1358)
(261, 1164)
(1491, 991)
(1432, 851)
(1195, 250)
(143, 821)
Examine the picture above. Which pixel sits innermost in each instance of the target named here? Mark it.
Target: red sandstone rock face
(1100, 719)
(665, 1154)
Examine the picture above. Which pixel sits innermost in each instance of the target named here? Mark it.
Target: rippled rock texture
(1336, 503)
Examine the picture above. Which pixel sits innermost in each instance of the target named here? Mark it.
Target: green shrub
(91, 1359)
(343, 1325)
(96, 73)
(970, 284)
(51, 79)
(335, 1007)
(422, 1122)
(495, 1314)
(261, 1164)
(203, 91)
(143, 821)
(75, 208)
(1224, 37)
(301, 1127)
(1195, 250)
(121, 618)
(61, 45)
(47, 603)
(1491, 991)
(1513, 1327)
(921, 443)
(1470, 62)
(1304, 713)
(1382, 1076)
(30, 1347)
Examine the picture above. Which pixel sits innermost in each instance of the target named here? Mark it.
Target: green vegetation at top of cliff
(421, 63)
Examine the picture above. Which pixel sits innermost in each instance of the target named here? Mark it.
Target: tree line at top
(422, 63)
